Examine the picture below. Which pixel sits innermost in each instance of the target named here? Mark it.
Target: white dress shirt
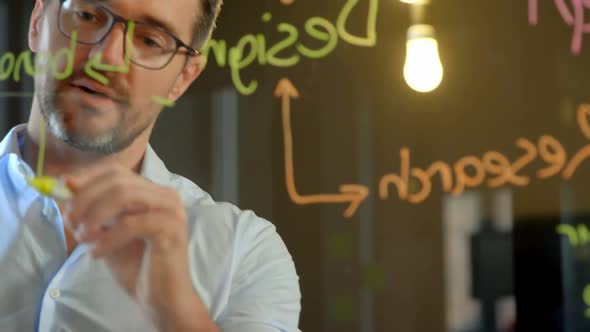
(239, 265)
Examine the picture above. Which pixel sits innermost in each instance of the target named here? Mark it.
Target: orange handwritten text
(351, 194)
(415, 184)
(493, 169)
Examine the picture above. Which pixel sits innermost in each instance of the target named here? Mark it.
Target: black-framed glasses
(150, 46)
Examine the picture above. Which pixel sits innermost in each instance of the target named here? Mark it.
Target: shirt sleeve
(265, 294)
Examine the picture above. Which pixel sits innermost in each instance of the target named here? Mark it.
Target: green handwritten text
(11, 65)
(577, 236)
(287, 51)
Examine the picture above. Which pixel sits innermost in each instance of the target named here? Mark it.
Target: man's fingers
(92, 189)
(82, 177)
(136, 198)
(156, 227)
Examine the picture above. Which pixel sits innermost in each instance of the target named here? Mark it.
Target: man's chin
(100, 145)
(88, 139)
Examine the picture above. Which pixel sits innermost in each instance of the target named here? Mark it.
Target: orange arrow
(353, 194)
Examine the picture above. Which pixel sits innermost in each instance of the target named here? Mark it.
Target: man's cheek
(156, 90)
(142, 102)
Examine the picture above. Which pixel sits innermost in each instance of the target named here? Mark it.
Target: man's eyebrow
(152, 20)
(159, 23)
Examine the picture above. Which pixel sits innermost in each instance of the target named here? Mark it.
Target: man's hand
(140, 229)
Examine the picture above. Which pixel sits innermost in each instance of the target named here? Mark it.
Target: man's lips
(97, 90)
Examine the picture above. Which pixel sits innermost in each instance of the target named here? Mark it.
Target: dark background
(383, 269)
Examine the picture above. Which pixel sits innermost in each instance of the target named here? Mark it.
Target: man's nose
(112, 48)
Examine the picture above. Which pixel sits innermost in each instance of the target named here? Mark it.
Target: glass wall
(462, 209)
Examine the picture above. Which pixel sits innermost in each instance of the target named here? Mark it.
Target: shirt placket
(54, 292)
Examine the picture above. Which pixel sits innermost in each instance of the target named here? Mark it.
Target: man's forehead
(175, 16)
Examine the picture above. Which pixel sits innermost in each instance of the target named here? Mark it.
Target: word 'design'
(288, 51)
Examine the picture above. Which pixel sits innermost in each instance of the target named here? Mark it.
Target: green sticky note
(374, 277)
(340, 245)
(345, 308)
(567, 111)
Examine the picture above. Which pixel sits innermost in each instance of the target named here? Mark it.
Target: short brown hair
(205, 24)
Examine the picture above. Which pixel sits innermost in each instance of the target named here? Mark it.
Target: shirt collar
(153, 167)
(10, 142)
(16, 169)
(10, 148)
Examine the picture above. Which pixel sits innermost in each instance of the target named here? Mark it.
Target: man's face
(109, 121)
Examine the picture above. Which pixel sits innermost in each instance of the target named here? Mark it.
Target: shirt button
(47, 212)
(22, 170)
(54, 293)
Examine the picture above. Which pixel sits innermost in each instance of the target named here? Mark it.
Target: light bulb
(423, 70)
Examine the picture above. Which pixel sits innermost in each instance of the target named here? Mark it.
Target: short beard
(114, 141)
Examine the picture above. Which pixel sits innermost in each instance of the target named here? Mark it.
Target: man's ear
(191, 70)
(35, 25)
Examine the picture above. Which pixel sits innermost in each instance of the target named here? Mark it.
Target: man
(137, 248)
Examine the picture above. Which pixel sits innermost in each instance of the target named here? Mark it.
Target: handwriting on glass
(45, 62)
(578, 237)
(289, 49)
(573, 16)
(414, 184)
(286, 51)
(471, 171)
(351, 194)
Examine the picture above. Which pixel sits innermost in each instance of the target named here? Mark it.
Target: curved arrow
(353, 194)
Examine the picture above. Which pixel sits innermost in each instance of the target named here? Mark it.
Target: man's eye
(86, 16)
(151, 43)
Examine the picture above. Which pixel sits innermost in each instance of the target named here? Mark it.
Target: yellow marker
(51, 187)
(47, 185)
